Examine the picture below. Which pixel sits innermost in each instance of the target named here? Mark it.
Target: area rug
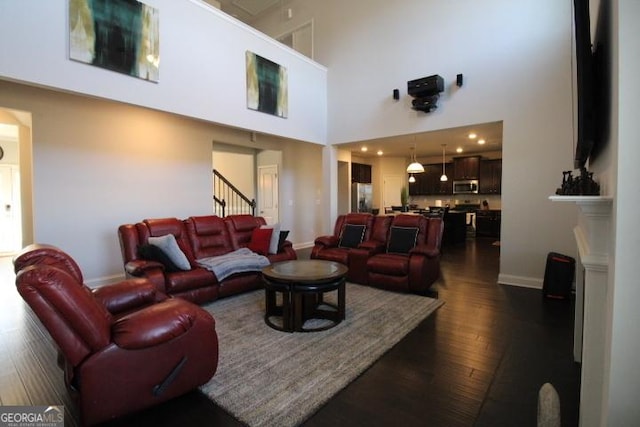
(271, 378)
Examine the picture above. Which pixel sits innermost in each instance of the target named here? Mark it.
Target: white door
(10, 223)
(391, 185)
(268, 193)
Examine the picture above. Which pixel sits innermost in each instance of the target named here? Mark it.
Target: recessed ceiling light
(472, 135)
(364, 149)
(380, 153)
(481, 141)
(459, 150)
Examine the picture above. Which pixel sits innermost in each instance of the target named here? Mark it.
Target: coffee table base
(300, 304)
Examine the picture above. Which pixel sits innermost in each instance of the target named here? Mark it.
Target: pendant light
(412, 179)
(443, 178)
(414, 167)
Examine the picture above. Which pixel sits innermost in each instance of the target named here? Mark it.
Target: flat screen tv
(586, 85)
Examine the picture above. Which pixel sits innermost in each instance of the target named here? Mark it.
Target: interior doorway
(299, 39)
(16, 225)
(268, 193)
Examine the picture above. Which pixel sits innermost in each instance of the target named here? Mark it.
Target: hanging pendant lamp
(412, 179)
(443, 177)
(414, 167)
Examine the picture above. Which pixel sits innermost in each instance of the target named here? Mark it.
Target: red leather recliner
(416, 270)
(115, 365)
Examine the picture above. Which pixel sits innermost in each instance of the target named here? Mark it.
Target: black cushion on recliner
(351, 236)
(402, 239)
(153, 253)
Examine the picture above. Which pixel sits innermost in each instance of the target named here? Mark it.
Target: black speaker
(558, 276)
(459, 80)
(396, 94)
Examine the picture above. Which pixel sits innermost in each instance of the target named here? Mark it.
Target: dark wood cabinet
(490, 181)
(466, 167)
(488, 223)
(428, 183)
(361, 173)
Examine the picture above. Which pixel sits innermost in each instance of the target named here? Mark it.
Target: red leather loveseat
(400, 253)
(197, 237)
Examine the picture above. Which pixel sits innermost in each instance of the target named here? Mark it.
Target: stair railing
(228, 200)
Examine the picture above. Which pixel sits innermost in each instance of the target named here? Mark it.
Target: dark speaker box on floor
(558, 276)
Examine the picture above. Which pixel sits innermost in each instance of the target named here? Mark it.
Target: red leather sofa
(197, 237)
(385, 257)
(123, 347)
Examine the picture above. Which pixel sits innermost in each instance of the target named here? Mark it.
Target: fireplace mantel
(593, 235)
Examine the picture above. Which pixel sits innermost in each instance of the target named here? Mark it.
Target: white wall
(516, 60)
(624, 381)
(202, 68)
(99, 164)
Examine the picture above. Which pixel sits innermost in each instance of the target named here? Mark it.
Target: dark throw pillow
(283, 236)
(351, 236)
(260, 240)
(153, 253)
(402, 239)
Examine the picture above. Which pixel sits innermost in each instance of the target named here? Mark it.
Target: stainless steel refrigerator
(361, 197)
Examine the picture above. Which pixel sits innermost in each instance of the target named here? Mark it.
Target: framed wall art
(267, 87)
(119, 35)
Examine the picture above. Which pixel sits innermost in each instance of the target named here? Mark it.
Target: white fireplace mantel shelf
(593, 235)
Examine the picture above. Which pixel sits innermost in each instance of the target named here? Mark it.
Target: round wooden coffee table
(302, 284)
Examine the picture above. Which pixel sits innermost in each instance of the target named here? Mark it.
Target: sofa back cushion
(406, 221)
(208, 236)
(365, 219)
(163, 226)
(75, 320)
(240, 228)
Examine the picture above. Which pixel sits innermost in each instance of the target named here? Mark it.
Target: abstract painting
(119, 35)
(267, 89)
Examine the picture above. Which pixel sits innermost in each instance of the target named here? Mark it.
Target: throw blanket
(240, 261)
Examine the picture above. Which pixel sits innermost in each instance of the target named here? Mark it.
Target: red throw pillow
(260, 240)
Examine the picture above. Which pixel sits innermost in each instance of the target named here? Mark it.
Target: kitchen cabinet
(466, 167)
(488, 223)
(490, 181)
(428, 183)
(361, 173)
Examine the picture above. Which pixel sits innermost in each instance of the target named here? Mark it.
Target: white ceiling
(428, 144)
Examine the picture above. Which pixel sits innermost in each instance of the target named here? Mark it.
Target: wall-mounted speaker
(459, 80)
(396, 94)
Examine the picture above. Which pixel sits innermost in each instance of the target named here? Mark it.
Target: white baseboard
(303, 245)
(521, 281)
(106, 280)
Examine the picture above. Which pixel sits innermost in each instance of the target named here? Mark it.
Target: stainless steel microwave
(466, 186)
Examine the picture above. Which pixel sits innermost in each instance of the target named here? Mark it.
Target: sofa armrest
(327, 241)
(139, 267)
(424, 250)
(373, 246)
(157, 324)
(128, 294)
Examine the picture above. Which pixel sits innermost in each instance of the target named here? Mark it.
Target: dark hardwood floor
(478, 361)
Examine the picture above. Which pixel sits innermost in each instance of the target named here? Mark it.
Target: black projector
(426, 86)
